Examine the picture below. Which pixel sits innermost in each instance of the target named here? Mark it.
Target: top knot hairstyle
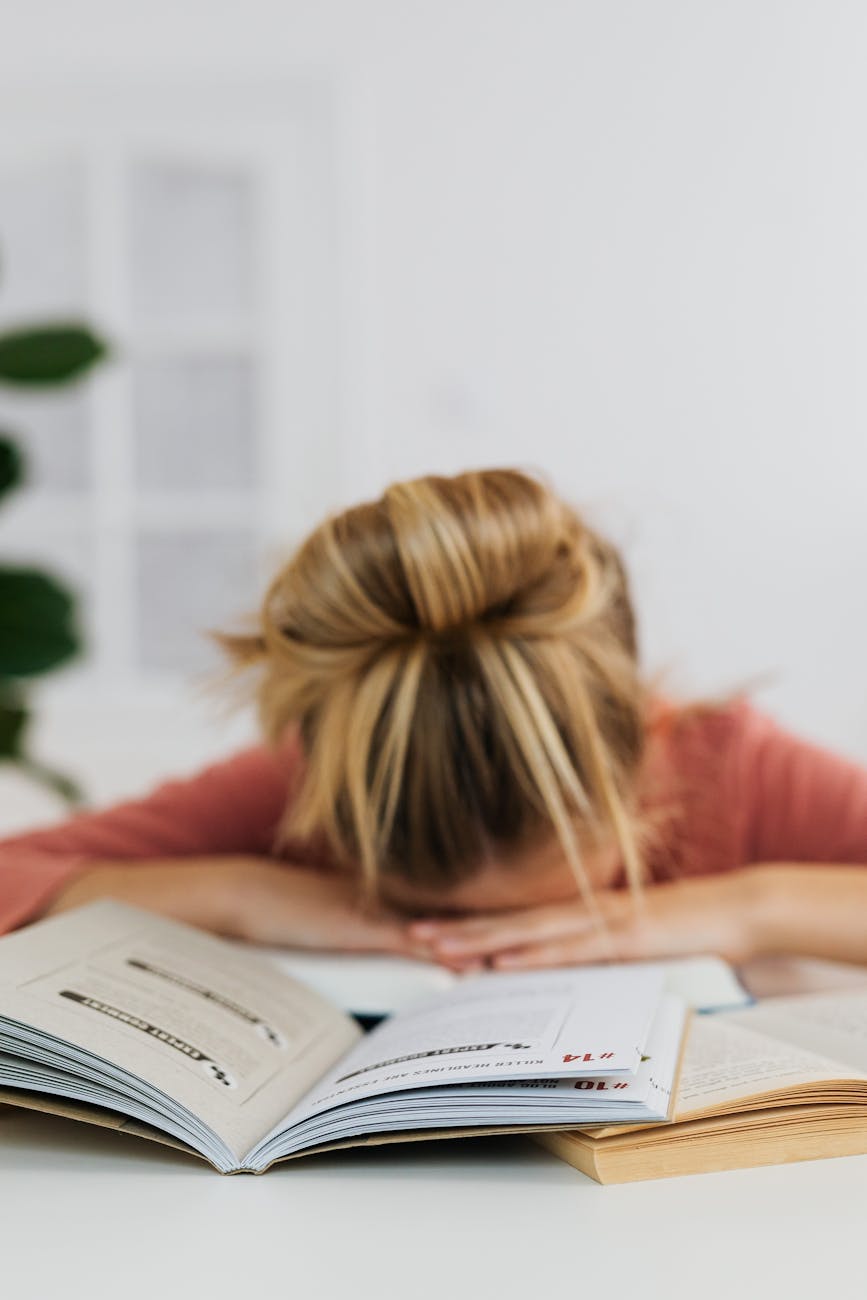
(459, 659)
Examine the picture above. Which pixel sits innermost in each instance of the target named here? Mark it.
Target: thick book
(116, 1016)
(782, 1081)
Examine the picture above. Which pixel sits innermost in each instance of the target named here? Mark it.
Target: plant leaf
(37, 623)
(59, 782)
(48, 354)
(11, 465)
(13, 726)
(15, 718)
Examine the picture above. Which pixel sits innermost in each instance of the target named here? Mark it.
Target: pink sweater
(737, 789)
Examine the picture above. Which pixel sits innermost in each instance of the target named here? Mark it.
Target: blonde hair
(459, 658)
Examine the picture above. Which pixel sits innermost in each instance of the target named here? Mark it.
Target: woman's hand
(294, 907)
(257, 899)
(715, 914)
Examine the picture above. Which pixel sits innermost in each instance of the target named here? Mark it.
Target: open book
(784, 1080)
(116, 1016)
(371, 986)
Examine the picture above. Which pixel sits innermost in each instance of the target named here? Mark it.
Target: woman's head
(459, 658)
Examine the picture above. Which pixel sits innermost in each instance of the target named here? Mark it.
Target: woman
(463, 761)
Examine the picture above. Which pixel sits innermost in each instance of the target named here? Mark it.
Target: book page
(498, 1103)
(532, 1024)
(834, 1024)
(651, 1084)
(219, 1031)
(725, 1062)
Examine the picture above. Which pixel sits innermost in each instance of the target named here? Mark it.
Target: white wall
(623, 243)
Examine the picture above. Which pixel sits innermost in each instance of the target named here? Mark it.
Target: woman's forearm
(257, 899)
(202, 891)
(812, 910)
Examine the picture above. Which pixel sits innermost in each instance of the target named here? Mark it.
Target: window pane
(187, 582)
(191, 241)
(53, 431)
(43, 246)
(195, 424)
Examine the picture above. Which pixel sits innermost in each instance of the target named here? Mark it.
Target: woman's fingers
(579, 949)
(556, 935)
(482, 936)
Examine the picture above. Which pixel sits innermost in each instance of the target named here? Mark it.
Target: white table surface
(85, 1212)
(88, 1212)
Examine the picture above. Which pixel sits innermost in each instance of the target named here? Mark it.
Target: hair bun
(493, 552)
(490, 553)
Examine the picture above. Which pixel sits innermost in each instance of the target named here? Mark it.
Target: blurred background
(328, 243)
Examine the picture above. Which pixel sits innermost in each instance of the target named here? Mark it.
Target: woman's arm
(250, 898)
(812, 911)
(803, 909)
(797, 885)
(198, 849)
(230, 808)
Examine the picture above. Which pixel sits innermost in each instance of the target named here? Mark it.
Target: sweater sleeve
(232, 806)
(800, 802)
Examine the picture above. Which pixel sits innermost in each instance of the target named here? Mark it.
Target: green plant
(38, 618)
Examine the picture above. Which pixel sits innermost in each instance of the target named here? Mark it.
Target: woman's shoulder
(697, 757)
(679, 723)
(734, 785)
(734, 731)
(725, 736)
